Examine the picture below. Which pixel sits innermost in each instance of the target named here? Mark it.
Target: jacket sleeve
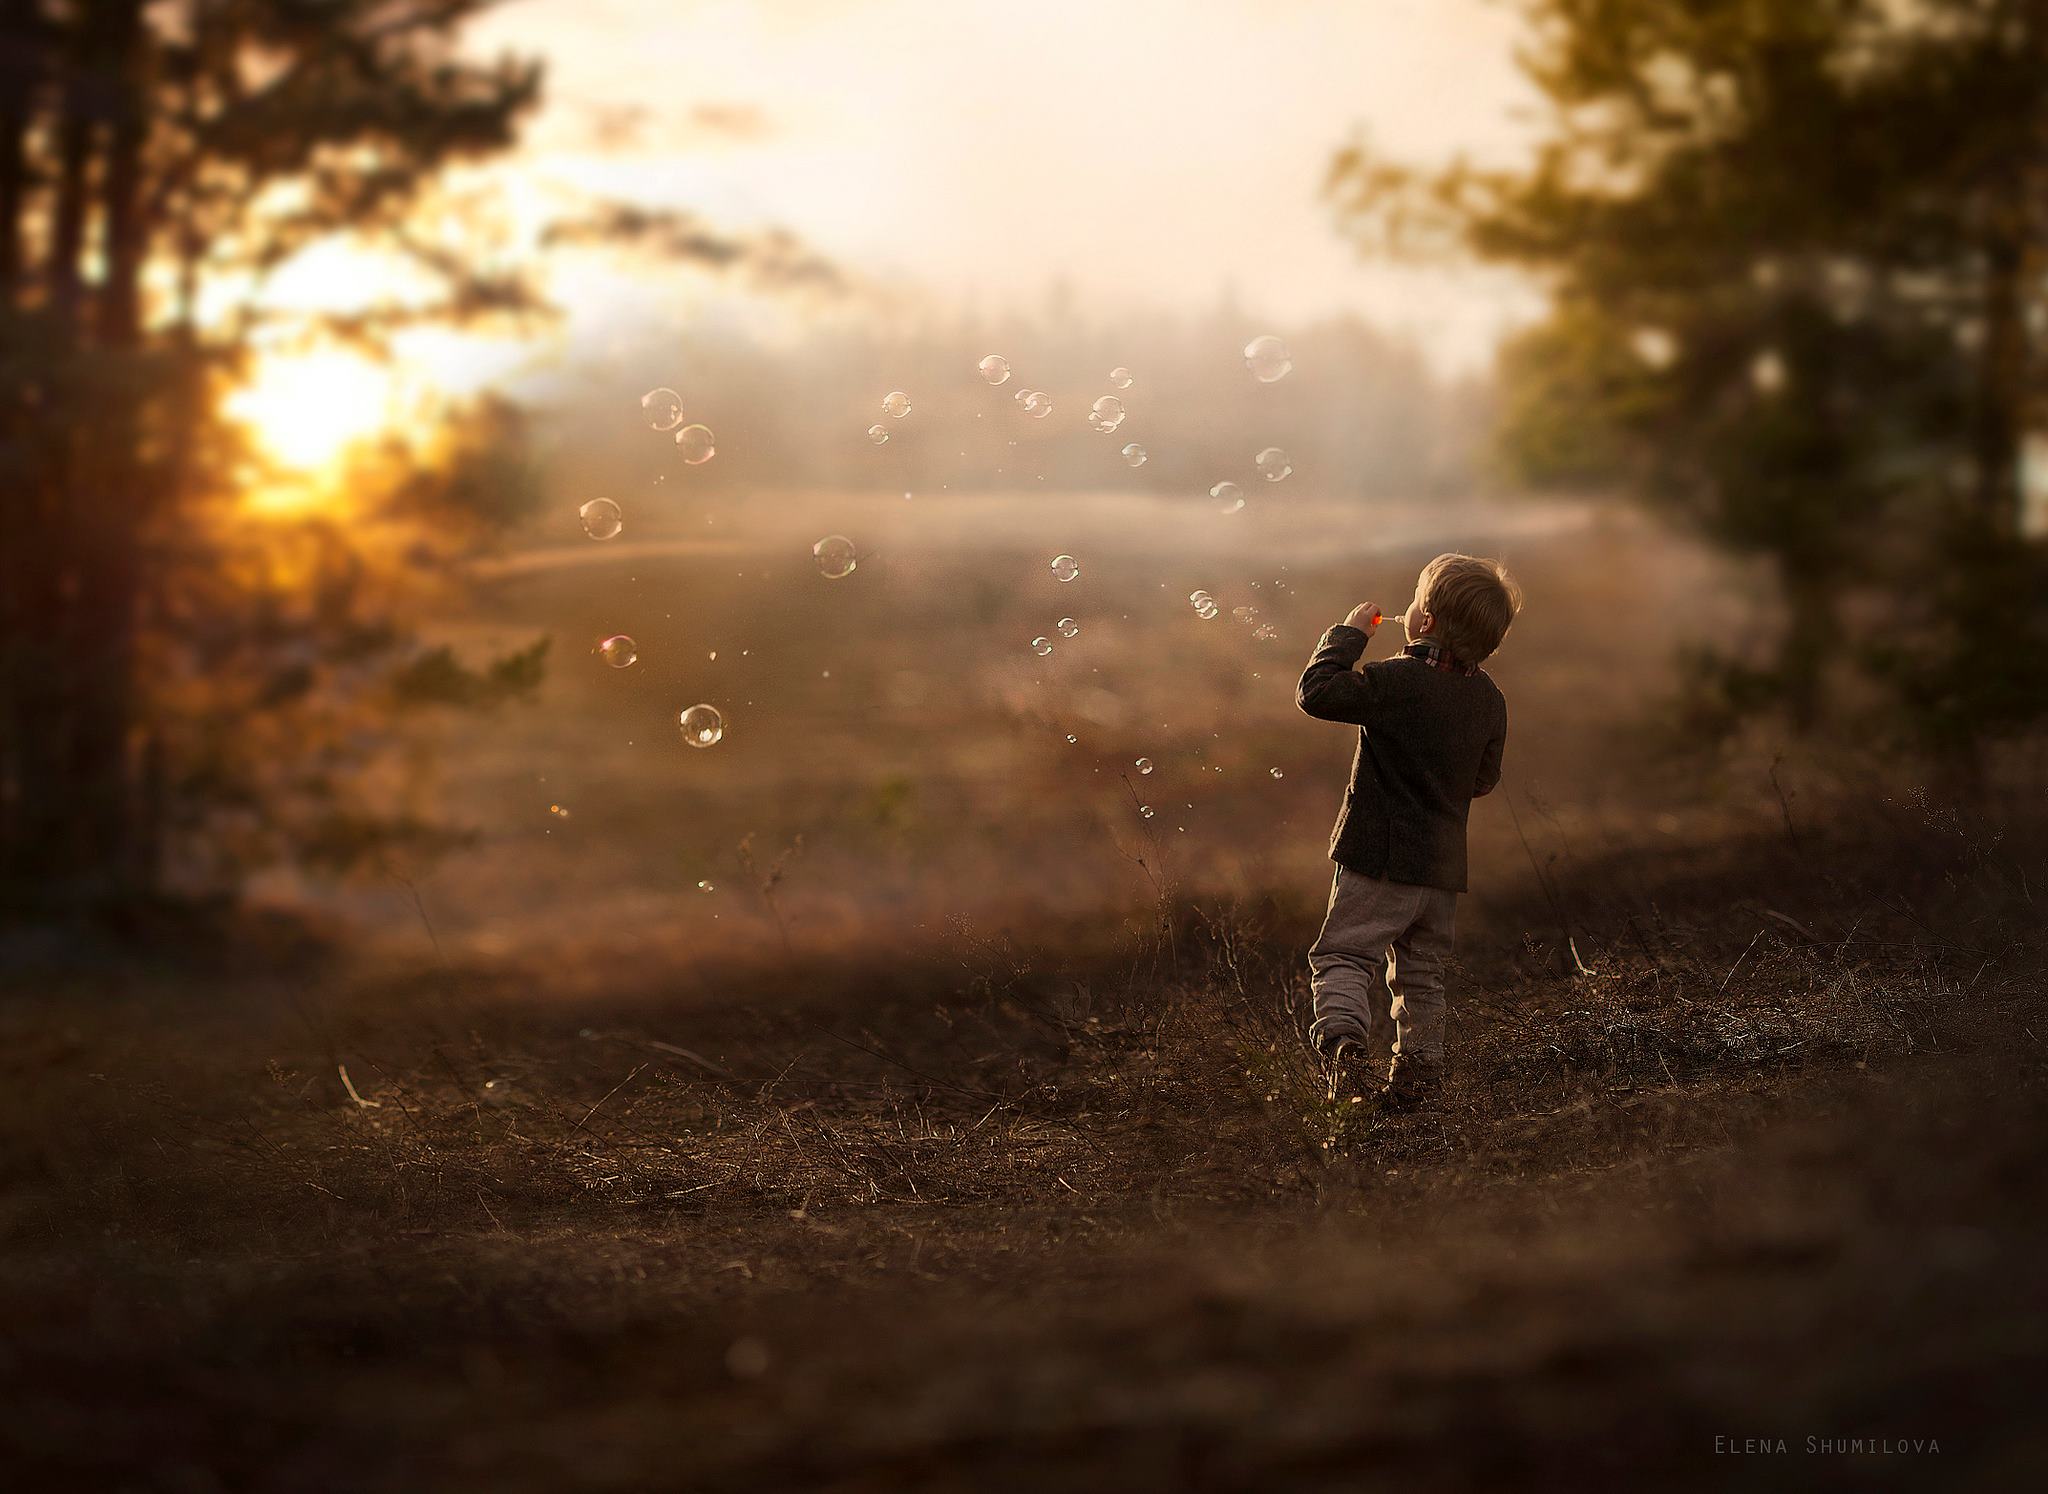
(1489, 761)
(1330, 689)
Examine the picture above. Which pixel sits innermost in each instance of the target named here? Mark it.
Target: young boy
(1432, 729)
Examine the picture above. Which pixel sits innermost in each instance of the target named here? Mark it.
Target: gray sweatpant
(1377, 935)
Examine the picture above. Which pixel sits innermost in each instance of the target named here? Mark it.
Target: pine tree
(1799, 261)
(147, 151)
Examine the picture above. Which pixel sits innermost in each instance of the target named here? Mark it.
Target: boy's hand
(1365, 615)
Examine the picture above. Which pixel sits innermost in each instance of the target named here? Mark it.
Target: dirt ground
(1067, 1212)
(880, 1101)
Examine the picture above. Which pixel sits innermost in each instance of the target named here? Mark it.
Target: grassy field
(981, 1149)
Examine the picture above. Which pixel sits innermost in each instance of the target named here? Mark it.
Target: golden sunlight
(305, 410)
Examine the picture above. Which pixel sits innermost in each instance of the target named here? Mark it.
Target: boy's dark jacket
(1430, 741)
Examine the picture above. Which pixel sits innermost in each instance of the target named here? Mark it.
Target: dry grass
(906, 1220)
(979, 1146)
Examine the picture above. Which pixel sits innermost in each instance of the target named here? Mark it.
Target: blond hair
(1472, 603)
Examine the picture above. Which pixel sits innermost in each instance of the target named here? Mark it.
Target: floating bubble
(1145, 811)
(1039, 405)
(1119, 377)
(836, 556)
(1023, 393)
(1227, 492)
(995, 368)
(697, 444)
(1272, 464)
(1143, 765)
(1067, 627)
(1276, 772)
(702, 725)
(1198, 597)
(1106, 414)
(1065, 568)
(618, 651)
(1244, 614)
(706, 885)
(1268, 359)
(1206, 611)
(1071, 738)
(602, 518)
(1041, 646)
(896, 404)
(1134, 455)
(879, 434)
(1264, 631)
(663, 407)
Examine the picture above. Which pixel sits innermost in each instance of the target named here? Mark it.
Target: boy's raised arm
(1331, 689)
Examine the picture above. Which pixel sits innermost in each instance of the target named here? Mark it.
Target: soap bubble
(1229, 494)
(1067, 627)
(1023, 393)
(1198, 597)
(1206, 611)
(879, 434)
(1145, 811)
(1041, 646)
(1106, 414)
(896, 404)
(1272, 464)
(664, 408)
(1134, 455)
(618, 651)
(1143, 765)
(1065, 568)
(1119, 377)
(1268, 359)
(836, 556)
(995, 368)
(1071, 738)
(702, 725)
(1244, 614)
(1276, 772)
(1039, 405)
(697, 444)
(602, 518)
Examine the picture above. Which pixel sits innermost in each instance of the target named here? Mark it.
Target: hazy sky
(1146, 151)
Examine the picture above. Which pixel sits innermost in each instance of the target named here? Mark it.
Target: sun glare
(306, 410)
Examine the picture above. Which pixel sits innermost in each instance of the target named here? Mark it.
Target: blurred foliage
(191, 687)
(1797, 255)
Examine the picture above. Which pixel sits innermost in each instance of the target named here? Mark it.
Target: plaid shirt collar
(1430, 652)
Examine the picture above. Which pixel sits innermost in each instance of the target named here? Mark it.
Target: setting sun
(305, 410)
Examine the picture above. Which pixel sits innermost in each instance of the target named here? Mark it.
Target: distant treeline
(1362, 412)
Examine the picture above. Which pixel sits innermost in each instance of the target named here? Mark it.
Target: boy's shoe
(1332, 1039)
(1412, 1084)
(1342, 1048)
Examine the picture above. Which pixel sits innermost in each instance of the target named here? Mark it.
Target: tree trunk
(100, 647)
(1811, 637)
(67, 217)
(120, 315)
(18, 68)
(71, 681)
(2002, 375)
